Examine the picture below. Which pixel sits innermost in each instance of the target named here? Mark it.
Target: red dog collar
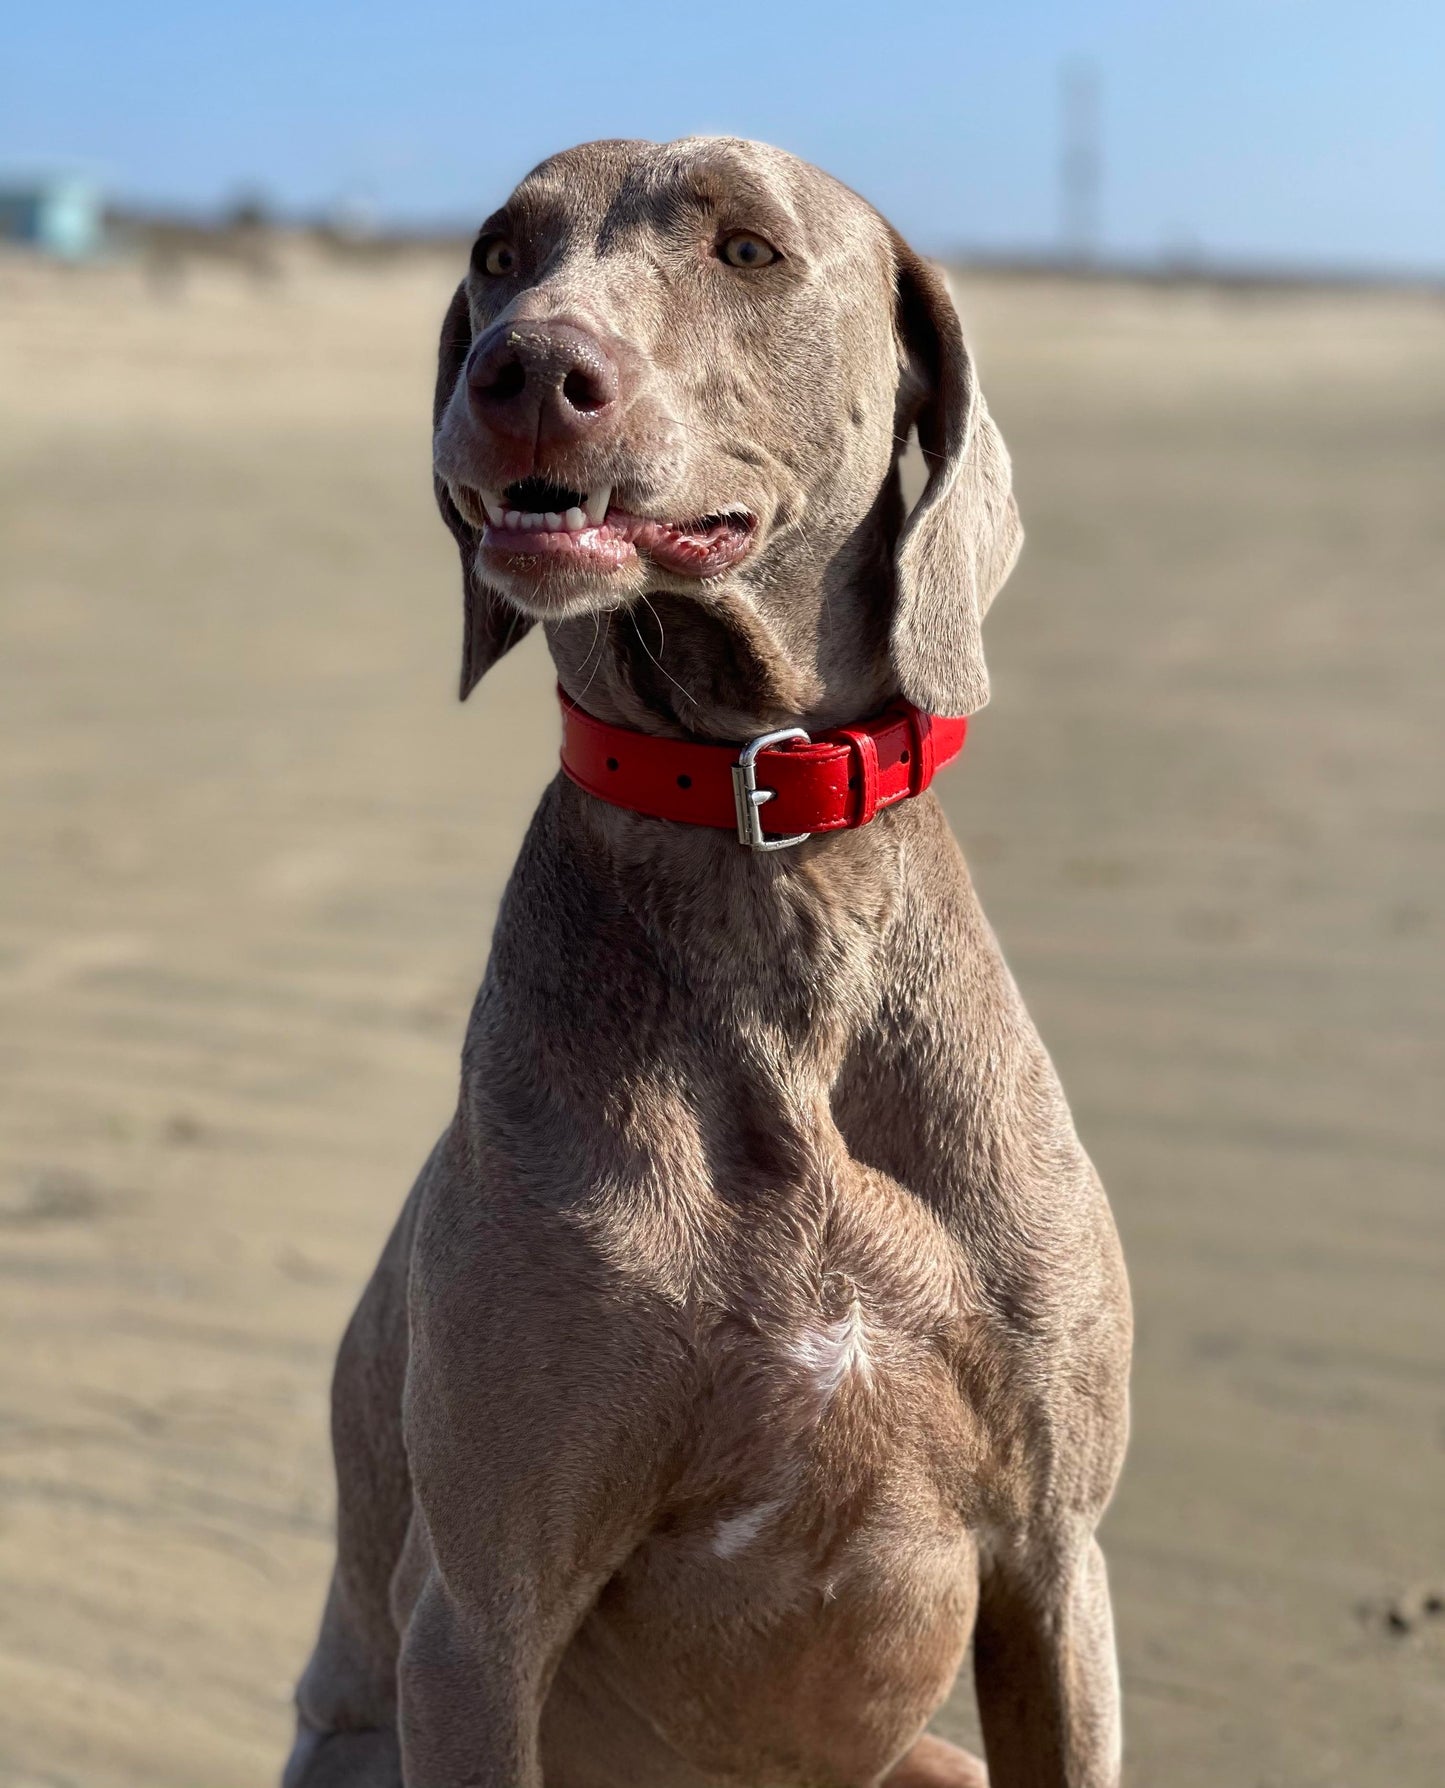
(829, 784)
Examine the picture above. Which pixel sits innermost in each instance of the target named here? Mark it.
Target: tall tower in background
(1080, 160)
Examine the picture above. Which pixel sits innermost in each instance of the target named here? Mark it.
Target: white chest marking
(731, 1536)
(833, 1351)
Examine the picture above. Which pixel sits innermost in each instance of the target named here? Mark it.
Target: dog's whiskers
(512, 627)
(661, 644)
(602, 620)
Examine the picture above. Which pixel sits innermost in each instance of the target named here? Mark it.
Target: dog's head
(673, 390)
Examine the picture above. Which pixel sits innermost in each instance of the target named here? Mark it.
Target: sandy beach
(250, 852)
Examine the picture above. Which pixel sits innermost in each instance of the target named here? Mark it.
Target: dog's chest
(829, 1342)
(818, 1517)
(823, 1408)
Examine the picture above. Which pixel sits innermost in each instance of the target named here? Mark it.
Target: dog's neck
(786, 934)
(784, 939)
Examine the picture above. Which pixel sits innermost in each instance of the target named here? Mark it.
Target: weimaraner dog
(757, 1334)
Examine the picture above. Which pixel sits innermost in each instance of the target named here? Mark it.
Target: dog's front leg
(494, 1582)
(1044, 1662)
(535, 1429)
(471, 1683)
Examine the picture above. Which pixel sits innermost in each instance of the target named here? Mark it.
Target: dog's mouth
(549, 524)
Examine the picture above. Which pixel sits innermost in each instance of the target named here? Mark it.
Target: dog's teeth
(553, 521)
(575, 520)
(514, 519)
(531, 520)
(597, 502)
(496, 509)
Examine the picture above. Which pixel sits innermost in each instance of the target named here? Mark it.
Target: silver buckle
(748, 797)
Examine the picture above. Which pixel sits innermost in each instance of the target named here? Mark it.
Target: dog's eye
(744, 250)
(495, 256)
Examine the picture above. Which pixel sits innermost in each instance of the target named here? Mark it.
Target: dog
(757, 1334)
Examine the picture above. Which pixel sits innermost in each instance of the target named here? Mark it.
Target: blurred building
(60, 214)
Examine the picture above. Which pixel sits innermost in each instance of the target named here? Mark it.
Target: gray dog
(757, 1334)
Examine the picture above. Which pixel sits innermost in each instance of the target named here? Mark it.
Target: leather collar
(792, 784)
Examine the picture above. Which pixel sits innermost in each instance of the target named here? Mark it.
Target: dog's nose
(551, 383)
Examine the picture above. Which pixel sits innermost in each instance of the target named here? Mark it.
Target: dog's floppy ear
(961, 541)
(490, 625)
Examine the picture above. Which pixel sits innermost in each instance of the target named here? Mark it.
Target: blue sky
(1300, 130)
